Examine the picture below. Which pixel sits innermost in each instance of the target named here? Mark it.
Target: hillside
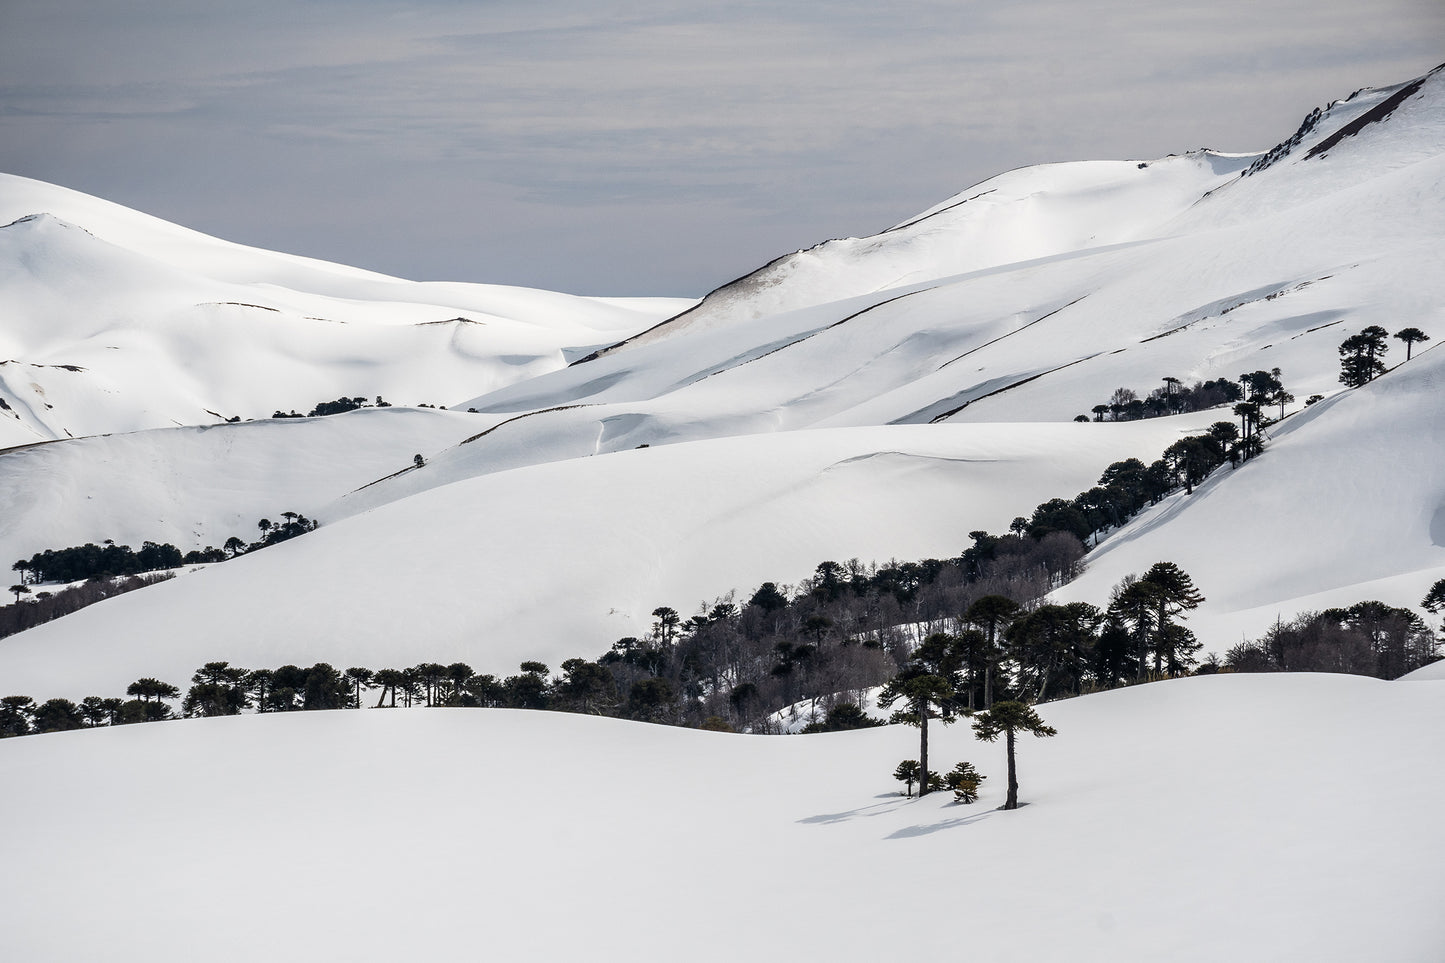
(1250, 817)
(561, 560)
(116, 321)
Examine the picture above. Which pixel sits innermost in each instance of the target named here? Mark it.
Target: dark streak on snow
(1375, 114)
(1008, 387)
(243, 304)
(942, 210)
(525, 414)
(1013, 332)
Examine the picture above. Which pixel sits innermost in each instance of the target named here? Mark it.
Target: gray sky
(641, 146)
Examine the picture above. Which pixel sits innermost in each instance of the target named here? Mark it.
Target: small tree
(1411, 336)
(1007, 718)
(907, 772)
(964, 780)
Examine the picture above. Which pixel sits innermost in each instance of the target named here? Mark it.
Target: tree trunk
(923, 750)
(1012, 802)
(1159, 647)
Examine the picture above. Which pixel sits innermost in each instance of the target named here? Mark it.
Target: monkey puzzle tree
(921, 691)
(15, 715)
(907, 772)
(58, 715)
(1174, 594)
(991, 614)
(1434, 600)
(964, 780)
(217, 689)
(1411, 336)
(1360, 356)
(1007, 718)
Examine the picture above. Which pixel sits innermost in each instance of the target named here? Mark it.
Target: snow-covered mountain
(873, 398)
(117, 321)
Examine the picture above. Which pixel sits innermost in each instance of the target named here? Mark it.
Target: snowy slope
(194, 487)
(563, 559)
(1349, 500)
(116, 321)
(1219, 818)
(1263, 271)
(1023, 215)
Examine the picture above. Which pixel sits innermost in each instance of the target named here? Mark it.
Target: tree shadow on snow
(909, 832)
(877, 809)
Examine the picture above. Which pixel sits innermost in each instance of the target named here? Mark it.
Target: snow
(197, 486)
(1234, 817)
(168, 326)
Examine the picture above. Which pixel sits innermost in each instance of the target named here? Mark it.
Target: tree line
(109, 560)
(849, 627)
(997, 652)
(1367, 638)
(44, 606)
(1173, 397)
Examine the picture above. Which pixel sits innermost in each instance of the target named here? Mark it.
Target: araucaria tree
(1411, 336)
(1007, 718)
(907, 772)
(1361, 354)
(1174, 594)
(923, 685)
(1148, 606)
(1434, 600)
(992, 614)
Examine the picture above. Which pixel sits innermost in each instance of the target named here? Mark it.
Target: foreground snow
(1238, 818)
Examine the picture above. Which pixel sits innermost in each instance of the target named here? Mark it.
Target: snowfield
(1225, 817)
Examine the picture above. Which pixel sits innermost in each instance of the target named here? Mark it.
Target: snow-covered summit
(118, 321)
